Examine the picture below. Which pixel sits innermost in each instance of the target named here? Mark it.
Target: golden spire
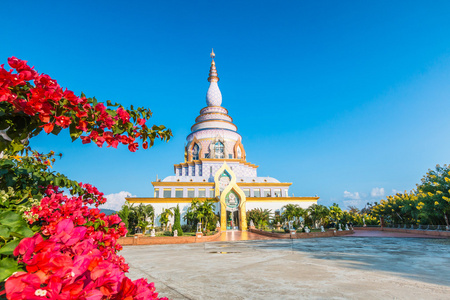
(213, 71)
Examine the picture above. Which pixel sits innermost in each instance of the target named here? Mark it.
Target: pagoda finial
(212, 70)
(213, 96)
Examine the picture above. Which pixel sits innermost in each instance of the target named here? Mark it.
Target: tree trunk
(446, 219)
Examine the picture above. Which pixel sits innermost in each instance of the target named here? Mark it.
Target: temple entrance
(232, 209)
(233, 220)
(232, 200)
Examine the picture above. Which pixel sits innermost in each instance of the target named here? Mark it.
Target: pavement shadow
(425, 260)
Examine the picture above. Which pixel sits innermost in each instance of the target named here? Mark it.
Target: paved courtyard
(323, 268)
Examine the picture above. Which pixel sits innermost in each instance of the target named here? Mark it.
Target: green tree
(335, 213)
(434, 193)
(124, 214)
(177, 222)
(260, 217)
(402, 208)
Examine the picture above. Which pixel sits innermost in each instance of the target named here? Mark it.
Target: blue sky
(348, 100)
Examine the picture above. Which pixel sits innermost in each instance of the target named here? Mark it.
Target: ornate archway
(232, 199)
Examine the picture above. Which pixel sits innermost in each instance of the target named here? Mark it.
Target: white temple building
(215, 166)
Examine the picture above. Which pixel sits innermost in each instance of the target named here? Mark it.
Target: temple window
(211, 193)
(193, 171)
(277, 192)
(256, 193)
(191, 193)
(179, 193)
(195, 152)
(180, 172)
(267, 193)
(230, 155)
(219, 150)
(167, 193)
(156, 193)
(247, 192)
(286, 193)
(202, 193)
(199, 170)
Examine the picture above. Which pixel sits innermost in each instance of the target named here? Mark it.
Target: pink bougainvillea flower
(26, 247)
(67, 233)
(22, 285)
(123, 115)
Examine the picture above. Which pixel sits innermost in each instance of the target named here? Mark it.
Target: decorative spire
(213, 96)
(212, 70)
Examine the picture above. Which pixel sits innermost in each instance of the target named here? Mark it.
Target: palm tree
(164, 217)
(138, 216)
(289, 211)
(191, 214)
(317, 213)
(259, 216)
(300, 213)
(143, 225)
(205, 212)
(149, 213)
(201, 212)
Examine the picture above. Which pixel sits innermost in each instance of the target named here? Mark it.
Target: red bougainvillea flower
(63, 121)
(41, 96)
(48, 127)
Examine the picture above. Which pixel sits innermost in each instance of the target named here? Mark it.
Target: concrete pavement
(325, 268)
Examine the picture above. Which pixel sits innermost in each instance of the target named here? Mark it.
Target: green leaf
(10, 219)
(9, 247)
(17, 226)
(7, 267)
(23, 231)
(74, 133)
(56, 130)
(5, 163)
(16, 146)
(4, 231)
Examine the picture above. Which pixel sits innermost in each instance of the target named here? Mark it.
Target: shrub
(186, 228)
